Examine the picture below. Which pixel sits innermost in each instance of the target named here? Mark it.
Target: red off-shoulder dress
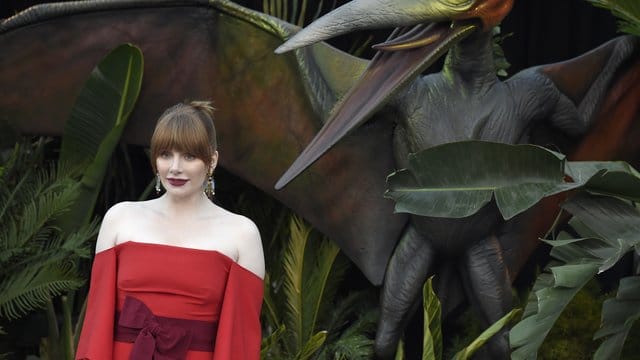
(167, 302)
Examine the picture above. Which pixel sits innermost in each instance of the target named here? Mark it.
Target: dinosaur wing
(269, 106)
(604, 86)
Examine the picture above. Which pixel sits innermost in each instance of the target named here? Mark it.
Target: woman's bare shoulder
(112, 221)
(249, 244)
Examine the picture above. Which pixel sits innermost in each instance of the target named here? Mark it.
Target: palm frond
(35, 257)
(33, 287)
(312, 345)
(358, 305)
(627, 12)
(353, 339)
(270, 341)
(293, 269)
(353, 347)
(17, 177)
(48, 206)
(320, 288)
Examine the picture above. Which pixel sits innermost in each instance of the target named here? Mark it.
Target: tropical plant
(517, 177)
(432, 347)
(37, 258)
(609, 228)
(303, 315)
(91, 134)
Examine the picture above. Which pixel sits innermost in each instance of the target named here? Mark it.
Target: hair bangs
(182, 133)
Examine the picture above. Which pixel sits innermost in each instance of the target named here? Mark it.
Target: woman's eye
(164, 154)
(189, 157)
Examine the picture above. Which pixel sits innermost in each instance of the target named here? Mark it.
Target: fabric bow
(154, 341)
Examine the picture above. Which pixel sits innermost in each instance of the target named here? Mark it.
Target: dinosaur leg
(489, 290)
(408, 268)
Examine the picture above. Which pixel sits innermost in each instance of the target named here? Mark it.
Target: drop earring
(158, 184)
(210, 187)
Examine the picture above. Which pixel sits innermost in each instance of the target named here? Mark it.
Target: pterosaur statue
(463, 101)
(215, 49)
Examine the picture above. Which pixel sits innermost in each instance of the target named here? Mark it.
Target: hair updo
(185, 127)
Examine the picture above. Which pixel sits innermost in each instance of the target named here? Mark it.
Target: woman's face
(181, 174)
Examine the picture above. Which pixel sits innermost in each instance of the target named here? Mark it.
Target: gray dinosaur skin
(466, 101)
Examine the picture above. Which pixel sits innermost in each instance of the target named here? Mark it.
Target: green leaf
(612, 178)
(616, 222)
(271, 340)
(31, 288)
(627, 11)
(96, 123)
(432, 340)
(105, 101)
(293, 263)
(399, 351)
(546, 303)
(471, 349)
(311, 346)
(319, 287)
(457, 179)
(618, 316)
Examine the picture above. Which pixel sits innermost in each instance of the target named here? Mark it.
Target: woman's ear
(214, 161)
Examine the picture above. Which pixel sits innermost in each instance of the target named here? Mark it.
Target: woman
(176, 277)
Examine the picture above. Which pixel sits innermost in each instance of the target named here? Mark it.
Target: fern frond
(31, 288)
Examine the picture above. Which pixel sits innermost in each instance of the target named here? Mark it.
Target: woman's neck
(191, 206)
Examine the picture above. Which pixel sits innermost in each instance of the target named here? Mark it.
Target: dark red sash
(158, 337)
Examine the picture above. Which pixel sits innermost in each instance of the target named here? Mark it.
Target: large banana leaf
(457, 179)
(618, 315)
(610, 228)
(96, 123)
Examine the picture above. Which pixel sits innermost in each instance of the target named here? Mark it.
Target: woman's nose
(175, 165)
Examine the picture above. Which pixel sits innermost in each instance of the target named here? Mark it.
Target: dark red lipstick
(177, 182)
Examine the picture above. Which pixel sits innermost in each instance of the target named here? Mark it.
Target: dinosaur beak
(370, 14)
(406, 54)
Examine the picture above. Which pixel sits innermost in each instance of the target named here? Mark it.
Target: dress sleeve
(239, 333)
(96, 339)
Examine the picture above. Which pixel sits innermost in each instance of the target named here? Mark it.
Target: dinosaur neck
(470, 62)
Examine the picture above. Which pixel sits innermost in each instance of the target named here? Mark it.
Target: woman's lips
(177, 182)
